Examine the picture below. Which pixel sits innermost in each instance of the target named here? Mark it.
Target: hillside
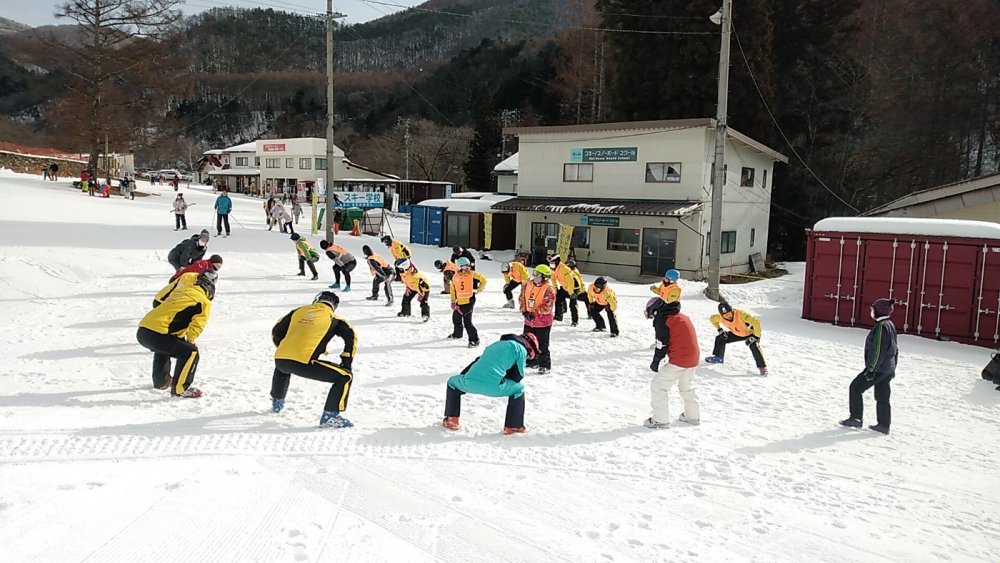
(10, 26)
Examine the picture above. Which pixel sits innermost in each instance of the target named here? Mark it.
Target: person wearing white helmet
(464, 287)
(416, 286)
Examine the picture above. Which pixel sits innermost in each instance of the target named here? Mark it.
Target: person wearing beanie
(881, 355)
(307, 255)
(678, 343)
(382, 274)
(735, 325)
(189, 250)
(213, 263)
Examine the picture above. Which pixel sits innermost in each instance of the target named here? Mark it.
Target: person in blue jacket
(881, 354)
(223, 206)
(497, 373)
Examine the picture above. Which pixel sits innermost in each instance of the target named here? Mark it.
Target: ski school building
(632, 200)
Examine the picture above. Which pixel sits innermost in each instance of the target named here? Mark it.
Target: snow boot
(277, 405)
(507, 430)
(451, 423)
(332, 419)
(371, 298)
(597, 330)
(402, 314)
(453, 337)
(473, 344)
(300, 274)
(335, 285)
(851, 423)
(315, 277)
(191, 393)
(614, 335)
(763, 372)
(650, 423)
(166, 384)
(347, 288)
(509, 305)
(714, 360)
(543, 371)
(684, 418)
(879, 428)
(426, 318)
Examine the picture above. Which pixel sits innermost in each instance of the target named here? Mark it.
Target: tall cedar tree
(485, 144)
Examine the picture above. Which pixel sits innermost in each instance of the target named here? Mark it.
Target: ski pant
(338, 377)
(583, 298)
(508, 290)
(221, 219)
(385, 281)
(164, 347)
(660, 392)
(543, 359)
(446, 281)
(463, 317)
(561, 296)
(425, 308)
(286, 227)
(302, 266)
(180, 221)
(595, 313)
(515, 406)
(346, 269)
(725, 337)
(883, 410)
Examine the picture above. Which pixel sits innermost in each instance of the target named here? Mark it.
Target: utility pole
(507, 117)
(330, 16)
(405, 122)
(719, 178)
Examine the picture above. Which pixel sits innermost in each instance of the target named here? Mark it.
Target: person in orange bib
(735, 325)
(416, 286)
(448, 270)
(668, 290)
(514, 274)
(382, 274)
(601, 298)
(464, 287)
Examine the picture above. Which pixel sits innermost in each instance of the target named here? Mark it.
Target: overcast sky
(40, 12)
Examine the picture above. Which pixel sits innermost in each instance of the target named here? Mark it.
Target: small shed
(943, 273)
(462, 221)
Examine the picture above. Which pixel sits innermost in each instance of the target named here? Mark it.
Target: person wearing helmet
(396, 248)
(343, 262)
(667, 289)
(170, 329)
(307, 255)
(448, 271)
(459, 252)
(382, 274)
(569, 285)
(678, 342)
(583, 296)
(497, 373)
(416, 286)
(301, 337)
(603, 298)
(514, 274)
(735, 325)
(538, 299)
(464, 287)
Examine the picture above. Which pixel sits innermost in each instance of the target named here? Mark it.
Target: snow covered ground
(96, 465)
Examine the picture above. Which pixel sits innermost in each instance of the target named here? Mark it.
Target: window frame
(723, 245)
(746, 176)
(305, 164)
(753, 236)
(242, 162)
(573, 237)
(272, 163)
(624, 246)
(545, 235)
(319, 164)
(578, 166)
(290, 162)
(666, 177)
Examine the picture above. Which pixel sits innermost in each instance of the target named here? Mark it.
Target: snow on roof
(465, 205)
(907, 226)
(235, 172)
(471, 195)
(245, 147)
(507, 166)
(215, 152)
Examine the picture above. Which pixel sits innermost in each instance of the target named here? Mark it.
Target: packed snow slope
(98, 466)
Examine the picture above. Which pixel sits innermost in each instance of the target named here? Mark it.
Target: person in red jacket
(678, 343)
(198, 266)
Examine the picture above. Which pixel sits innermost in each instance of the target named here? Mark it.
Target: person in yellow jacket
(582, 296)
(735, 325)
(416, 286)
(396, 248)
(301, 337)
(514, 274)
(182, 282)
(464, 287)
(569, 285)
(601, 298)
(169, 331)
(668, 290)
(448, 270)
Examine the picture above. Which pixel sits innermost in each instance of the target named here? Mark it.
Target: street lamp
(724, 18)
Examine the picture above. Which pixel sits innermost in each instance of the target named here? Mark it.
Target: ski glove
(869, 375)
(346, 362)
(455, 307)
(528, 316)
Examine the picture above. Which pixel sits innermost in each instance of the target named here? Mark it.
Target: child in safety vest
(538, 301)
(735, 325)
(464, 287)
(416, 286)
(514, 274)
(603, 298)
(307, 255)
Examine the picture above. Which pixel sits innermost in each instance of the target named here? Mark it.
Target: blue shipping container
(427, 225)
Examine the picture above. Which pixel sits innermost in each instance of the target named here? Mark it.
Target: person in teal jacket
(497, 373)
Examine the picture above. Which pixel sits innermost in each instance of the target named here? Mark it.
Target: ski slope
(98, 466)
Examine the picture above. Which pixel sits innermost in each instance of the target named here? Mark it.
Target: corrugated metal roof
(655, 208)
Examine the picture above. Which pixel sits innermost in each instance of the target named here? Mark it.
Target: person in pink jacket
(538, 300)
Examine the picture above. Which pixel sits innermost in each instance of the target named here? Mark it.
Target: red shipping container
(943, 273)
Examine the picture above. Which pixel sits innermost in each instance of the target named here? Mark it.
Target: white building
(288, 162)
(638, 195)
(506, 173)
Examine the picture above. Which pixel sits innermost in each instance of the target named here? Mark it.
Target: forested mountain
(871, 99)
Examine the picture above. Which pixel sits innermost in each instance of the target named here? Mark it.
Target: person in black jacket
(459, 252)
(881, 354)
(189, 250)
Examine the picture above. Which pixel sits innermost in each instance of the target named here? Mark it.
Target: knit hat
(204, 234)
(215, 259)
(295, 236)
(883, 307)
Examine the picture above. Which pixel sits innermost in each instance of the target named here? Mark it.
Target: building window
(256, 161)
(728, 242)
(659, 172)
(623, 240)
(581, 237)
(753, 234)
(273, 162)
(708, 243)
(458, 231)
(763, 180)
(320, 164)
(305, 163)
(289, 163)
(578, 172)
(243, 161)
(746, 177)
(544, 235)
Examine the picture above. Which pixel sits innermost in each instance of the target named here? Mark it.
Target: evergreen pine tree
(485, 145)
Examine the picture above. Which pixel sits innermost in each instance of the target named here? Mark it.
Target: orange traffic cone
(356, 231)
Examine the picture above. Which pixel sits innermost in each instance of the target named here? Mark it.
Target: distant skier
(538, 301)
(296, 208)
(301, 337)
(736, 326)
(464, 287)
(678, 343)
(223, 207)
(448, 271)
(668, 290)
(268, 204)
(170, 330)
(281, 217)
(382, 275)
(416, 286)
(180, 208)
(881, 355)
(497, 373)
(603, 298)
(307, 255)
(189, 250)
(514, 274)
(343, 262)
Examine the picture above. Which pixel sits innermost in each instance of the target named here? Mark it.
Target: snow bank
(907, 226)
